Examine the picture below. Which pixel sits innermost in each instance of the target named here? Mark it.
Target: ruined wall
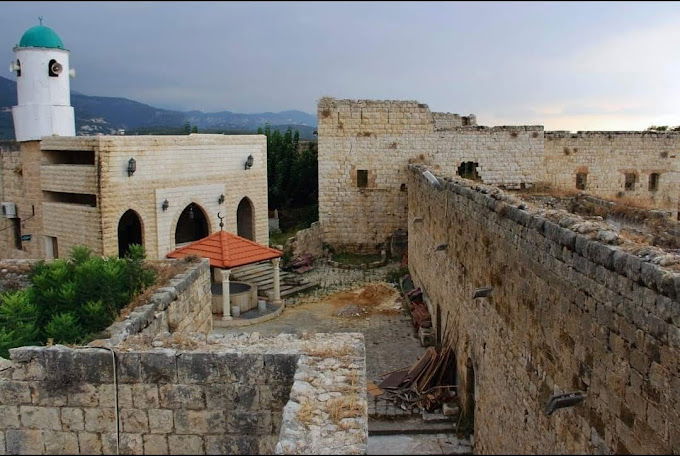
(58, 400)
(223, 396)
(182, 306)
(382, 137)
(606, 156)
(566, 313)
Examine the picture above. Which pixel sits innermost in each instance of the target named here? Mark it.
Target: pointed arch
(245, 219)
(192, 224)
(130, 231)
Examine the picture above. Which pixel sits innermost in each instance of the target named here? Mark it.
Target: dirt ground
(373, 308)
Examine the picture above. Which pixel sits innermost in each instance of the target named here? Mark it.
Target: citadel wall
(606, 156)
(381, 138)
(365, 145)
(566, 313)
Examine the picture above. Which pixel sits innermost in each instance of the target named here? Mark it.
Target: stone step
(408, 425)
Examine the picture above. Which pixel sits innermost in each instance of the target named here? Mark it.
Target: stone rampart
(181, 307)
(223, 396)
(567, 313)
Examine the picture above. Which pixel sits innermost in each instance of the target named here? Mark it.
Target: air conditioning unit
(9, 210)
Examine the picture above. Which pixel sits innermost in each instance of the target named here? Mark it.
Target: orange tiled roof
(226, 250)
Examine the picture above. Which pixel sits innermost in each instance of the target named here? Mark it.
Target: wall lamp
(559, 401)
(249, 162)
(483, 292)
(165, 205)
(132, 166)
(441, 247)
(220, 200)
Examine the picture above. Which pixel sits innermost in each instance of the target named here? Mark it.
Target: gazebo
(226, 251)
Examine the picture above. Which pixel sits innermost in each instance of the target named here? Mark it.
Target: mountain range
(108, 115)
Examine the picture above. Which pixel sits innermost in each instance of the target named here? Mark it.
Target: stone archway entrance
(244, 219)
(129, 231)
(192, 224)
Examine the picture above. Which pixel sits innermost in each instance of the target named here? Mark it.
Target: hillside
(107, 115)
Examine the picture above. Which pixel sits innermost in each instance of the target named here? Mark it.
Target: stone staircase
(262, 275)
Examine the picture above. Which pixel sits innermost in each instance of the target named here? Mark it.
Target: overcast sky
(565, 65)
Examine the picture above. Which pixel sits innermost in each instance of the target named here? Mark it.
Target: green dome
(41, 36)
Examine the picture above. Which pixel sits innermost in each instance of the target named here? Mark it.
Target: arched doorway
(129, 231)
(192, 224)
(244, 219)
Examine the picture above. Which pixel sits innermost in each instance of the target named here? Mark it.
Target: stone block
(145, 396)
(14, 393)
(249, 423)
(128, 367)
(94, 365)
(131, 443)
(40, 417)
(182, 396)
(186, 444)
(9, 416)
(160, 421)
(158, 367)
(99, 419)
(90, 443)
(83, 395)
(198, 421)
(24, 442)
(134, 420)
(72, 419)
(60, 442)
(156, 444)
(221, 395)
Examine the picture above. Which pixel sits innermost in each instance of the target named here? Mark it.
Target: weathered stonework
(181, 307)
(223, 396)
(383, 137)
(567, 313)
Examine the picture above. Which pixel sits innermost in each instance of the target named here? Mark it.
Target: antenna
(221, 222)
(40, 18)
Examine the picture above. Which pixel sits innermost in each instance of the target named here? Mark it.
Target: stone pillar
(226, 301)
(277, 281)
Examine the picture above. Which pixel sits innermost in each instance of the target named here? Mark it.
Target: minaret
(43, 86)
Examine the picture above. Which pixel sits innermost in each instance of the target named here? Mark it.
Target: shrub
(70, 299)
(64, 328)
(18, 321)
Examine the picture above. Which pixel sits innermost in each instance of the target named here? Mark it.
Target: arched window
(245, 221)
(129, 231)
(192, 224)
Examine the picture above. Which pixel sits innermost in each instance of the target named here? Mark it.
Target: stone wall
(606, 156)
(20, 170)
(182, 307)
(382, 138)
(224, 396)
(567, 313)
(181, 169)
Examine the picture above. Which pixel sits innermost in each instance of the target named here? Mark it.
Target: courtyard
(360, 300)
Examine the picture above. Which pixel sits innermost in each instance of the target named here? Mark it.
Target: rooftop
(227, 250)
